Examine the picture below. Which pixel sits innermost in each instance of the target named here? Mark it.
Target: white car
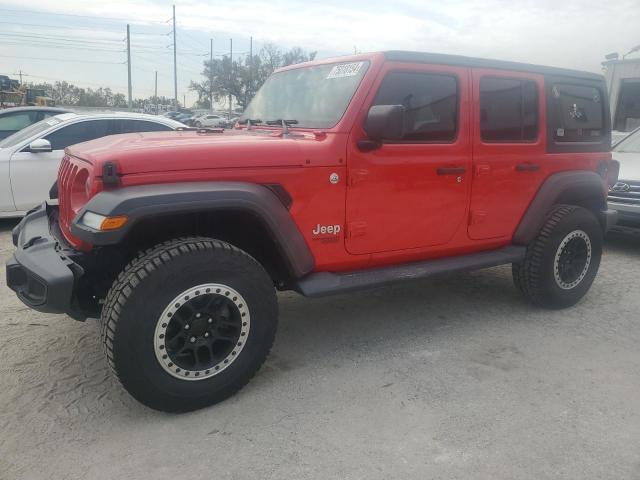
(29, 159)
(210, 120)
(624, 196)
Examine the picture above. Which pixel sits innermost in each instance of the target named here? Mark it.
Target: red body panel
(390, 204)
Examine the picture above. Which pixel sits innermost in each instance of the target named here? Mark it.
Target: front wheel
(563, 260)
(188, 323)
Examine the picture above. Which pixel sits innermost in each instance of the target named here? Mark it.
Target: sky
(82, 41)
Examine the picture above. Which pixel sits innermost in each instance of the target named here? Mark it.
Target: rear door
(414, 192)
(508, 149)
(33, 174)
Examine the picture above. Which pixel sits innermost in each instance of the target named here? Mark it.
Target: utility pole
(250, 89)
(129, 65)
(230, 73)
(175, 62)
(184, 101)
(20, 73)
(211, 77)
(155, 95)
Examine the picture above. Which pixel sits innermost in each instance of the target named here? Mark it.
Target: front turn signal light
(102, 222)
(113, 223)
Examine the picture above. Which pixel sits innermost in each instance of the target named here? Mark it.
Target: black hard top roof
(458, 60)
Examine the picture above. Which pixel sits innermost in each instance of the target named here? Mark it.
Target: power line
(37, 43)
(94, 17)
(68, 27)
(68, 80)
(193, 39)
(62, 60)
(63, 39)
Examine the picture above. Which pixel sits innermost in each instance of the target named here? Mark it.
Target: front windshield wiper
(285, 124)
(256, 121)
(280, 121)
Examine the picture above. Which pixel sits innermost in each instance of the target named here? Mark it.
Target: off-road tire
(535, 276)
(139, 297)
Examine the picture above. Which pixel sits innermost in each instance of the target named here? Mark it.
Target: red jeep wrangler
(341, 174)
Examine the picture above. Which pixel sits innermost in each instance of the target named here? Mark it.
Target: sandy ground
(449, 378)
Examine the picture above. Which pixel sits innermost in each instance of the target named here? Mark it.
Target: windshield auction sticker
(345, 70)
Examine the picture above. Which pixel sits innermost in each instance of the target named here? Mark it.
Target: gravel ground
(449, 378)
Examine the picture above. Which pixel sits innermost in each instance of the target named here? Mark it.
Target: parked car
(17, 118)
(230, 123)
(29, 159)
(171, 114)
(375, 169)
(624, 196)
(210, 120)
(181, 117)
(189, 120)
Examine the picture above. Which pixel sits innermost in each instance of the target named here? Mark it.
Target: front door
(414, 192)
(32, 176)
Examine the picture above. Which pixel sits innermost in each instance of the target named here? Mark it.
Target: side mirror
(385, 122)
(39, 146)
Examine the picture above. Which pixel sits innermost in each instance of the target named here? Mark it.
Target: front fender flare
(145, 201)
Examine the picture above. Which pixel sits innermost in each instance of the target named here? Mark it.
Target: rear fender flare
(575, 187)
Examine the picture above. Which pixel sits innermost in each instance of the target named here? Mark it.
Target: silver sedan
(29, 159)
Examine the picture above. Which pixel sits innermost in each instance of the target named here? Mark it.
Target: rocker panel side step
(326, 283)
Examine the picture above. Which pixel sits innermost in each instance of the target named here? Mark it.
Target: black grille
(627, 192)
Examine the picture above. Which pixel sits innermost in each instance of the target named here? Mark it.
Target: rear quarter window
(577, 113)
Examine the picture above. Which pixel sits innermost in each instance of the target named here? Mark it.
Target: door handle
(527, 167)
(451, 170)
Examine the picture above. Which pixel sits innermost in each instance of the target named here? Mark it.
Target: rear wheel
(563, 260)
(188, 323)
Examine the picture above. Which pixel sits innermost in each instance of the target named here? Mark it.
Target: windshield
(28, 132)
(316, 96)
(631, 144)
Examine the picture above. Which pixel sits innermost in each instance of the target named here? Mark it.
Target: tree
(64, 93)
(245, 76)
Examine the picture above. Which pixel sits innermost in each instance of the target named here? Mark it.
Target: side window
(152, 127)
(430, 100)
(508, 110)
(17, 121)
(133, 126)
(48, 114)
(628, 111)
(77, 133)
(578, 114)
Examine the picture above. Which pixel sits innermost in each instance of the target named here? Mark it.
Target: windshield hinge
(110, 176)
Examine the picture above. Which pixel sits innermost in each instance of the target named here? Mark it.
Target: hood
(190, 150)
(629, 165)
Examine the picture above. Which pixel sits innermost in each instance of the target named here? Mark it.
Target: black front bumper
(41, 271)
